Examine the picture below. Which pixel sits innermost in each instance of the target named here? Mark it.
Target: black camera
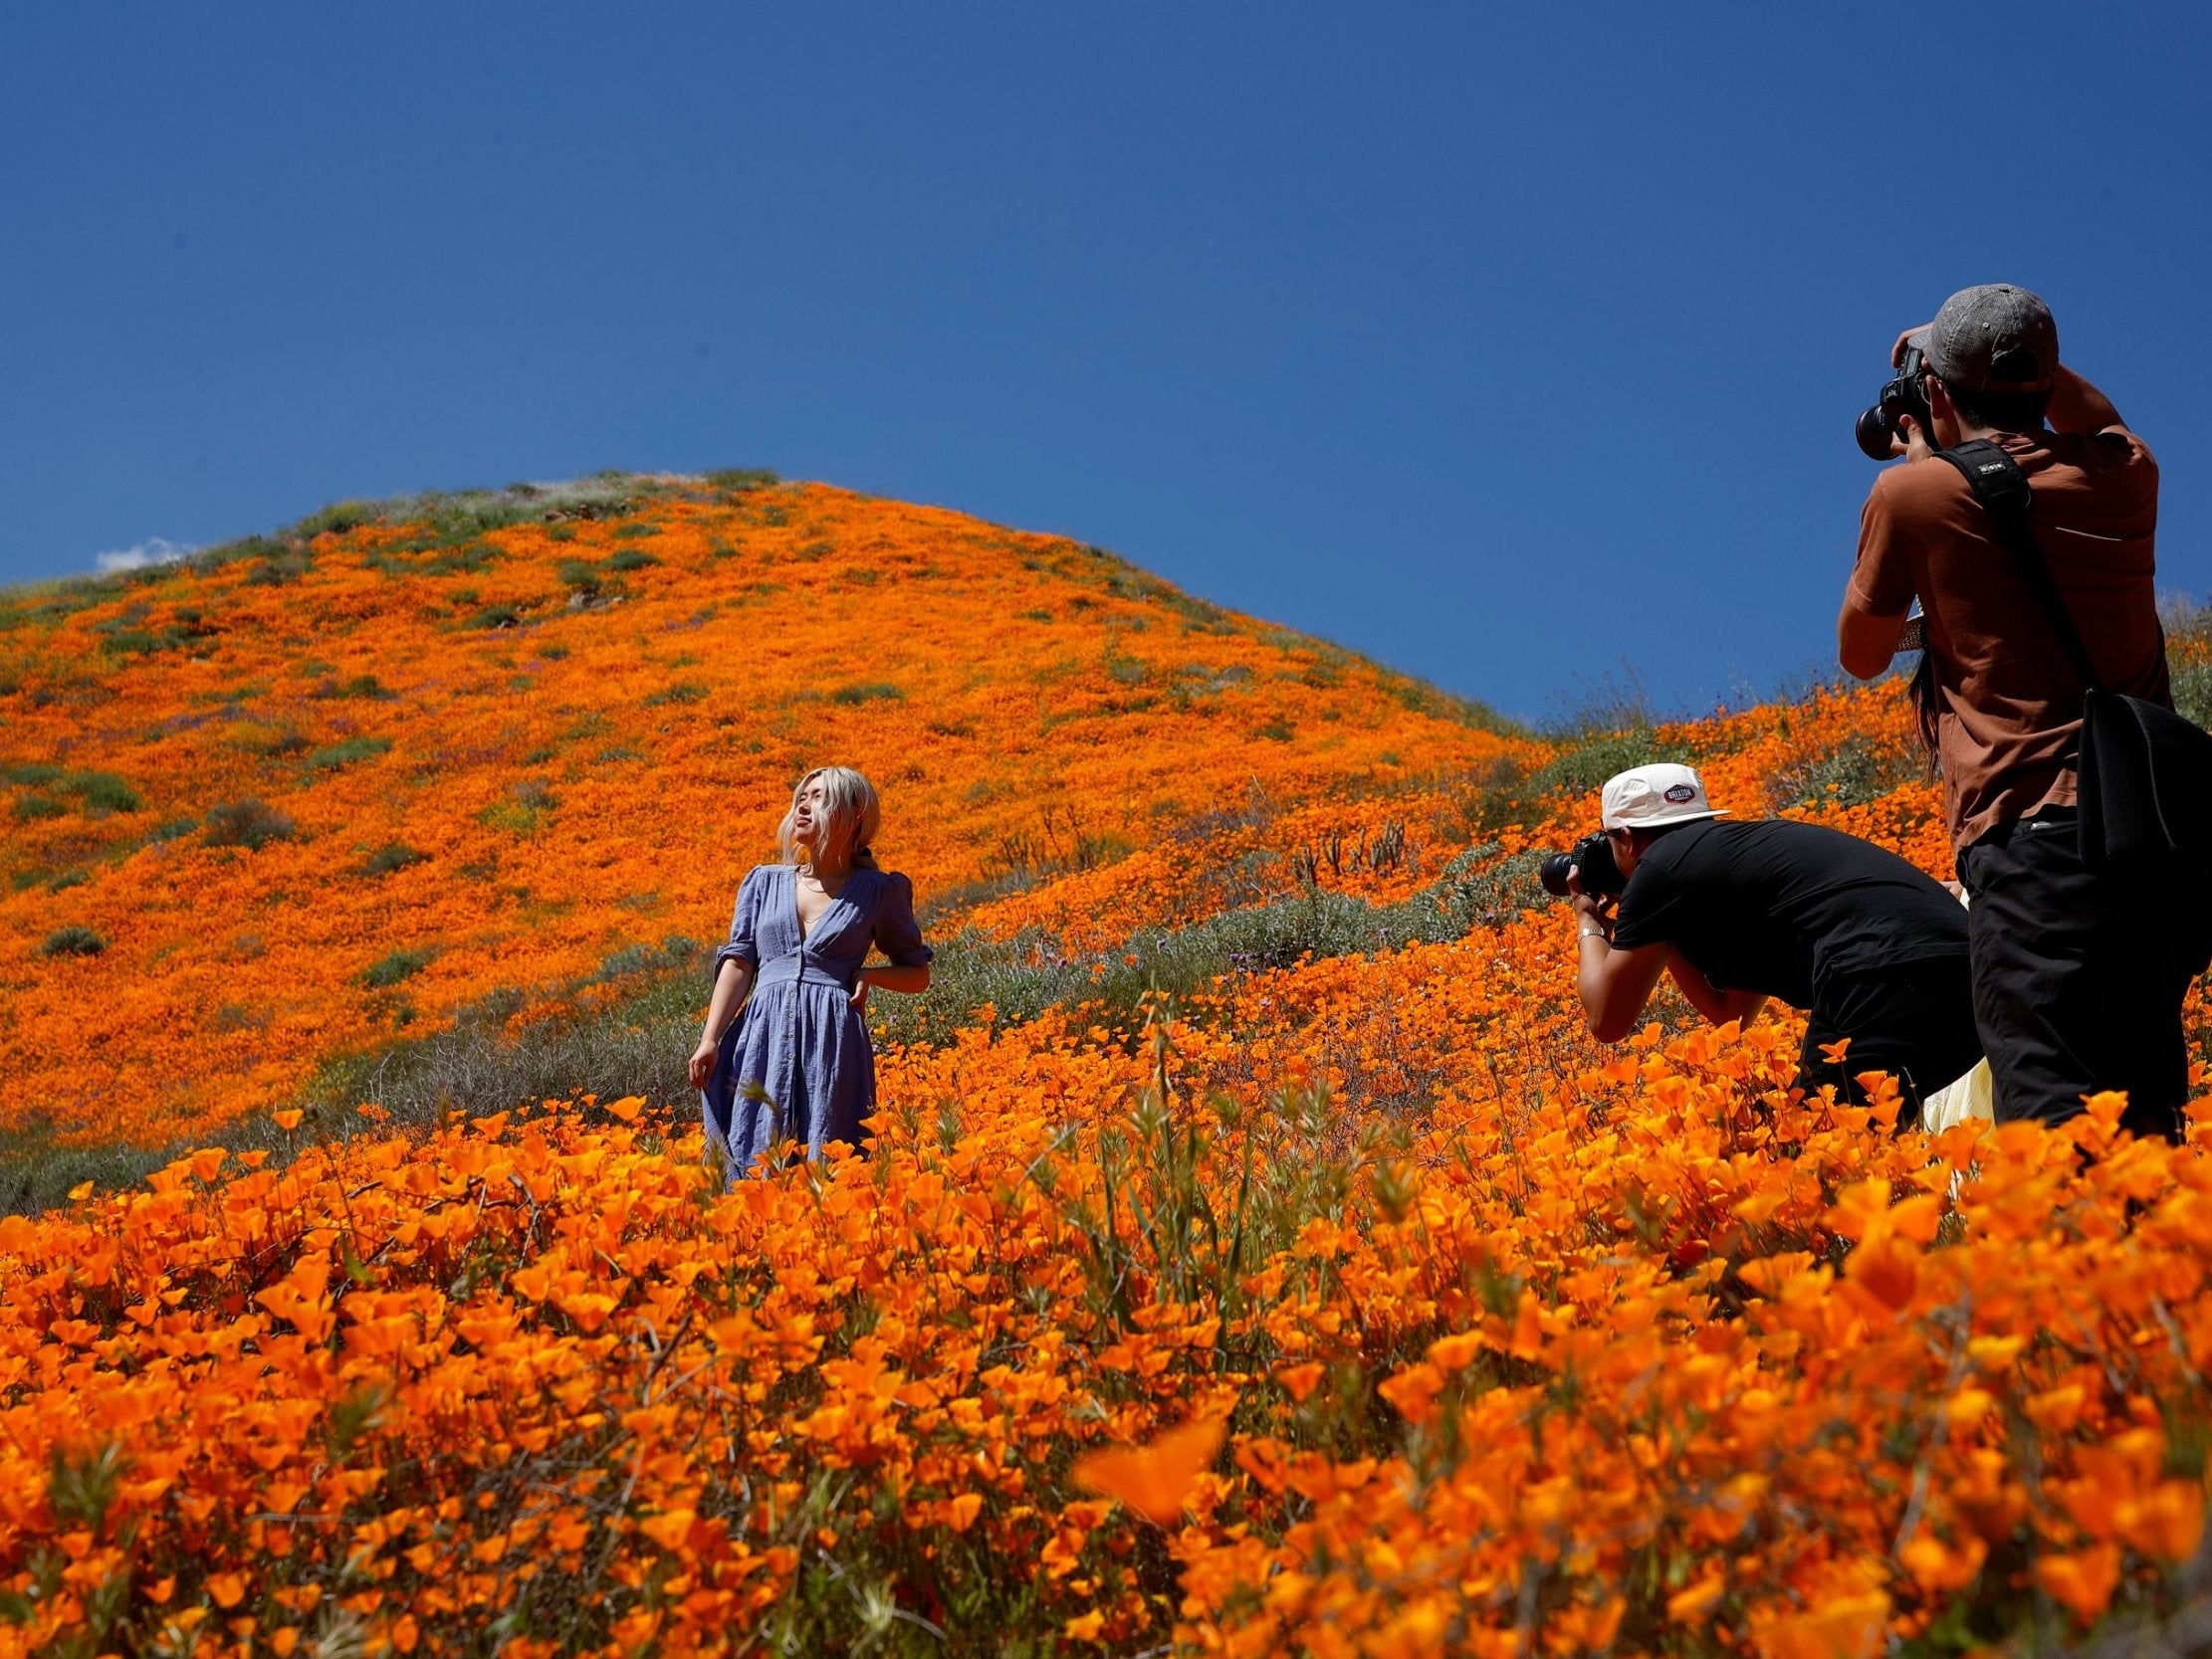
(1593, 857)
(1905, 394)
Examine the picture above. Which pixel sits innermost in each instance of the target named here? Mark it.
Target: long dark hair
(1926, 700)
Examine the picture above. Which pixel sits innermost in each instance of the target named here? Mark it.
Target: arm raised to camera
(2078, 406)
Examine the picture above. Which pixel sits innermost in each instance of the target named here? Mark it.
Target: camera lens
(1873, 433)
(1553, 874)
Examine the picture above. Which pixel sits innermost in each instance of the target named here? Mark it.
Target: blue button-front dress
(796, 1064)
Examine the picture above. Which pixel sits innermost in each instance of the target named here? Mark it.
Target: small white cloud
(153, 550)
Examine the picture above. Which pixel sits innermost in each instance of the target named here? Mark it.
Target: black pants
(1915, 1021)
(2079, 976)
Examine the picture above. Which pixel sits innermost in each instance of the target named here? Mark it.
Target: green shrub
(361, 685)
(466, 559)
(39, 1164)
(1856, 771)
(580, 575)
(32, 773)
(73, 942)
(337, 519)
(629, 558)
(514, 819)
(392, 856)
(350, 752)
(399, 965)
(30, 808)
(523, 813)
(101, 792)
(1583, 768)
(1123, 668)
(279, 567)
(673, 952)
(684, 691)
(1569, 781)
(2192, 691)
(234, 552)
(172, 829)
(852, 696)
(737, 480)
(247, 823)
(2188, 628)
(496, 616)
(1478, 890)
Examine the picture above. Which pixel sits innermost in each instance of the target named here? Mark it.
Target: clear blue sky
(1505, 344)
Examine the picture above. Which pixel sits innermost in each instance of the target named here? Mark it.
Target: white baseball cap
(1653, 795)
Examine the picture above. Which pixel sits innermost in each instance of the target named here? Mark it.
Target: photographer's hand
(1591, 918)
(1915, 446)
(1896, 351)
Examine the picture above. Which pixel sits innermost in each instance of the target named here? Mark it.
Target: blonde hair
(853, 812)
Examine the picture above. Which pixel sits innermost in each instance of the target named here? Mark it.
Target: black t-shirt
(1782, 908)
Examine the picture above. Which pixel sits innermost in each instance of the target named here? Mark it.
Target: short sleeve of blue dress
(797, 1065)
(898, 934)
(741, 947)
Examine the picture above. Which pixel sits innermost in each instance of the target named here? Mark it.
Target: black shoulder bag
(2144, 772)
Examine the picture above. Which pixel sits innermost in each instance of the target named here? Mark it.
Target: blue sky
(1509, 345)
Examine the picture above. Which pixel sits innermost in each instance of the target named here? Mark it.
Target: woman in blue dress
(793, 1062)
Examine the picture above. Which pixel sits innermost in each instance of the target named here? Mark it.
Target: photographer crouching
(1870, 947)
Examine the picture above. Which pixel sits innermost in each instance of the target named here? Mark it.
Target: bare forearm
(1866, 644)
(731, 985)
(1590, 981)
(2078, 406)
(1615, 984)
(1709, 1000)
(889, 976)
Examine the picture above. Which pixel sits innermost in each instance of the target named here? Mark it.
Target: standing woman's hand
(858, 1001)
(732, 980)
(703, 1061)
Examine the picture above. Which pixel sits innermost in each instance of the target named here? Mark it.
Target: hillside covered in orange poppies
(1254, 1254)
(300, 797)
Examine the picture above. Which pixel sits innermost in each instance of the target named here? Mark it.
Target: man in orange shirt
(2079, 976)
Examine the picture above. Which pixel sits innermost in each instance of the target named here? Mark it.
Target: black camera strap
(2143, 772)
(2002, 489)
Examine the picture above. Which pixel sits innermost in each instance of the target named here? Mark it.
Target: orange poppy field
(1253, 1255)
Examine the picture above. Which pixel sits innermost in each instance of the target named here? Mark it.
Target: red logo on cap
(1680, 793)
